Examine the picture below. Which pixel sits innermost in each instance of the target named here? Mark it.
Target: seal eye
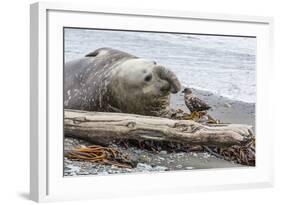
(148, 78)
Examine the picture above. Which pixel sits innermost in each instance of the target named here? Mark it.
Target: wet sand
(223, 109)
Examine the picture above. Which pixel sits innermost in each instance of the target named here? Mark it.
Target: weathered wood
(103, 127)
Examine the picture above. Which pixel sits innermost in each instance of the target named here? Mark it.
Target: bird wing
(196, 104)
(189, 103)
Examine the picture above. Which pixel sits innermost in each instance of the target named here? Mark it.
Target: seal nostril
(148, 78)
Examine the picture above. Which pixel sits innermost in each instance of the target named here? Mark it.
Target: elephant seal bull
(110, 80)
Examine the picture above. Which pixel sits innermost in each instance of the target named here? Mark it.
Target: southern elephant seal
(110, 80)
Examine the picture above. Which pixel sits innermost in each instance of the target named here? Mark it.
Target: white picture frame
(46, 152)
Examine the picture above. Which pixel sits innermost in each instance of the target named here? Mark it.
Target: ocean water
(223, 65)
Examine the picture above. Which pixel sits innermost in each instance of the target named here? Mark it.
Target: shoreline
(198, 89)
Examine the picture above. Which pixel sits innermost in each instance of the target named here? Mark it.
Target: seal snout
(173, 85)
(165, 88)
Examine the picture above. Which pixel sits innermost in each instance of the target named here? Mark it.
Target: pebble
(72, 168)
(206, 155)
(195, 154)
(160, 168)
(103, 173)
(179, 166)
(227, 105)
(94, 172)
(114, 167)
(144, 158)
(84, 173)
(143, 167)
(163, 152)
(67, 160)
(137, 151)
(181, 154)
(113, 171)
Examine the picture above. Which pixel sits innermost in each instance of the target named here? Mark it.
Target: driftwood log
(103, 127)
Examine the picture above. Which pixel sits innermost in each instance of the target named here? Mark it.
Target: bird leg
(195, 115)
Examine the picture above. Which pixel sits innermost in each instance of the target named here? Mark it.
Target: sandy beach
(223, 109)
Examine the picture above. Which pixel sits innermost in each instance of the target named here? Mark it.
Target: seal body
(110, 80)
